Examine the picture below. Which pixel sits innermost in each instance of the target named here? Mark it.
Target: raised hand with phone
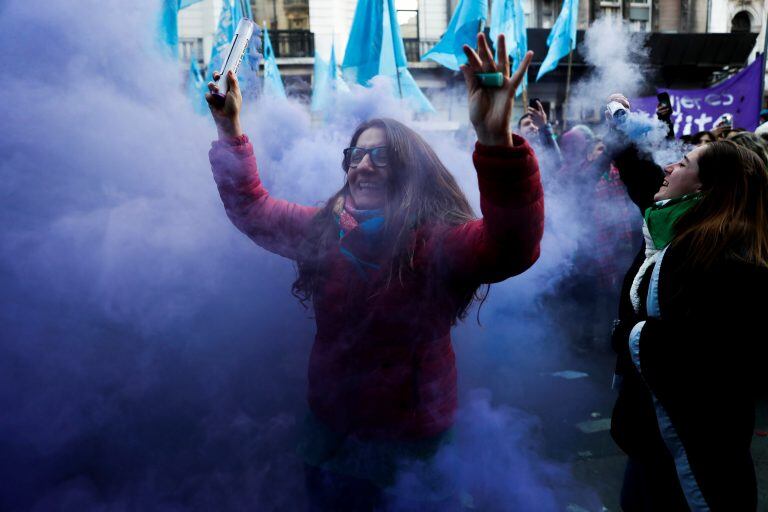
(537, 113)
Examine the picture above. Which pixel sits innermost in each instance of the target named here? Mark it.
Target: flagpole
(567, 90)
(399, 85)
(525, 99)
(394, 53)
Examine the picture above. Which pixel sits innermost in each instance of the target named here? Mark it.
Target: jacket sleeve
(547, 139)
(505, 242)
(719, 343)
(276, 225)
(638, 172)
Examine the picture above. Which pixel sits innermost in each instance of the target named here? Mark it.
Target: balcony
(191, 48)
(296, 5)
(292, 43)
(415, 48)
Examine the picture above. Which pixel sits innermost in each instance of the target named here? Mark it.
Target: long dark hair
(731, 219)
(420, 191)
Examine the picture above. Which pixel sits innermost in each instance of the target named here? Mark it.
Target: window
(611, 10)
(529, 14)
(191, 48)
(741, 22)
(548, 11)
(408, 18)
(282, 14)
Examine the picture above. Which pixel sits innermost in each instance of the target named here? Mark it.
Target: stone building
(692, 42)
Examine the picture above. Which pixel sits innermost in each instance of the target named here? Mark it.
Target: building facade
(678, 29)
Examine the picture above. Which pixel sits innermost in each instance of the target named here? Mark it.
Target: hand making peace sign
(490, 109)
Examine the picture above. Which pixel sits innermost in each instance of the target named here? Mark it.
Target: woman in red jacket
(390, 262)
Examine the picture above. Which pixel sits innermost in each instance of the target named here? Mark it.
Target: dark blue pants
(652, 486)
(332, 492)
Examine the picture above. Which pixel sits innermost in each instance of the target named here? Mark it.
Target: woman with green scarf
(690, 338)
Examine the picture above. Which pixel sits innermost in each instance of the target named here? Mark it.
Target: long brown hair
(420, 190)
(731, 218)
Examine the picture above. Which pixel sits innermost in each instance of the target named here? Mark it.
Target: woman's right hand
(617, 97)
(226, 111)
(490, 109)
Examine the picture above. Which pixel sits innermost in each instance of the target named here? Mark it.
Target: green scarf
(662, 217)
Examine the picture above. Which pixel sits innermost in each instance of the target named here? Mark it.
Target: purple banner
(697, 110)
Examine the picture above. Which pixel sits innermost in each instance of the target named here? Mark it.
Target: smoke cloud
(152, 357)
(619, 61)
(618, 57)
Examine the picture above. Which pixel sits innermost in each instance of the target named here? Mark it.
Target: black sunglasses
(354, 155)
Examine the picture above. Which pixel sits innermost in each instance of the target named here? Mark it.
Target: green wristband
(490, 80)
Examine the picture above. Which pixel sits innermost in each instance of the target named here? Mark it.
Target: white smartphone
(235, 55)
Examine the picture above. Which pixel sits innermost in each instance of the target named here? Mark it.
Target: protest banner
(696, 110)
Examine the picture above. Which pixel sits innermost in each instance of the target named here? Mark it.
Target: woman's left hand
(490, 109)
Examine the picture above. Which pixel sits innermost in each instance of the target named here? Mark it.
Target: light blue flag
(169, 24)
(334, 69)
(375, 48)
(562, 38)
(327, 82)
(197, 88)
(228, 19)
(394, 64)
(320, 90)
(508, 18)
(242, 9)
(273, 84)
(361, 60)
(168, 27)
(248, 74)
(462, 29)
(221, 41)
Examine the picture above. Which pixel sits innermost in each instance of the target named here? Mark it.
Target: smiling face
(368, 182)
(682, 177)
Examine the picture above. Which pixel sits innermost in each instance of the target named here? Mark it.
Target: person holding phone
(390, 263)
(535, 127)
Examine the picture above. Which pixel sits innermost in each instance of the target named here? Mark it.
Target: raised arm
(546, 137)
(278, 226)
(506, 240)
(637, 170)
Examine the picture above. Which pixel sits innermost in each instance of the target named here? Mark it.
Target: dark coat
(699, 365)
(382, 365)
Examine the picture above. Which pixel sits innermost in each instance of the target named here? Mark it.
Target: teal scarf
(360, 235)
(662, 217)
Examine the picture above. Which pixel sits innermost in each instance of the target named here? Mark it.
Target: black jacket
(701, 363)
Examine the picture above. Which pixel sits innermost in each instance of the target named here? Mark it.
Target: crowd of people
(688, 338)
(396, 257)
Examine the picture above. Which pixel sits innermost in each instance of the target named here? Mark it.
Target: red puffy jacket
(382, 365)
